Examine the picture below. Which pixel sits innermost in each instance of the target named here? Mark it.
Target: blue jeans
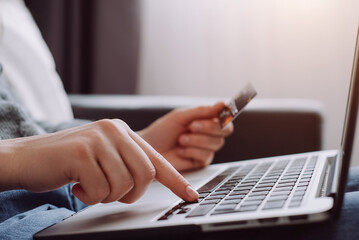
(23, 213)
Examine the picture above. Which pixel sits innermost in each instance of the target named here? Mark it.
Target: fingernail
(184, 139)
(197, 126)
(180, 151)
(191, 193)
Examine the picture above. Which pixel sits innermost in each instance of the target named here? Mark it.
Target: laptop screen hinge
(329, 187)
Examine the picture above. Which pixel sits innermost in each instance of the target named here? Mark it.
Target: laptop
(283, 190)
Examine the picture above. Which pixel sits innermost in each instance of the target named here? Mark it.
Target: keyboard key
(247, 184)
(287, 181)
(239, 192)
(227, 207)
(306, 179)
(219, 195)
(255, 198)
(264, 193)
(281, 189)
(233, 194)
(301, 184)
(280, 193)
(269, 181)
(233, 197)
(215, 197)
(243, 188)
(224, 187)
(201, 210)
(212, 201)
(233, 180)
(302, 188)
(219, 191)
(164, 217)
(184, 210)
(203, 194)
(306, 175)
(262, 189)
(290, 184)
(297, 198)
(301, 193)
(273, 205)
(277, 198)
(247, 203)
(212, 184)
(260, 185)
(247, 208)
(229, 185)
(169, 213)
(289, 178)
(231, 201)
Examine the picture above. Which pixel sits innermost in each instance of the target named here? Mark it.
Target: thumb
(187, 115)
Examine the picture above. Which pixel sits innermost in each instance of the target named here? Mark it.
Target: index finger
(166, 173)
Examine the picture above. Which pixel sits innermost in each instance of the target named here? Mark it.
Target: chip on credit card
(236, 105)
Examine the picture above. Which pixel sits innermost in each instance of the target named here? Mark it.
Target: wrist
(10, 168)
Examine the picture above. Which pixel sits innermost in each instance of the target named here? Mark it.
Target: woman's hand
(106, 160)
(188, 138)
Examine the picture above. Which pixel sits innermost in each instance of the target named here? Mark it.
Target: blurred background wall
(288, 49)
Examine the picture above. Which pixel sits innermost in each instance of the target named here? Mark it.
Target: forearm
(9, 170)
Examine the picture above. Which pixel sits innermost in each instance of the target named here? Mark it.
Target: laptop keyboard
(263, 186)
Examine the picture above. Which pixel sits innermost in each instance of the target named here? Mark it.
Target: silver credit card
(235, 106)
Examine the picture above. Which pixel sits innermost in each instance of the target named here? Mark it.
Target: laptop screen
(349, 127)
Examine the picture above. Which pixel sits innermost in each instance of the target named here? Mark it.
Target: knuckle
(103, 192)
(158, 155)
(113, 126)
(121, 123)
(129, 184)
(106, 125)
(93, 135)
(99, 195)
(200, 162)
(81, 149)
(129, 200)
(120, 189)
(149, 174)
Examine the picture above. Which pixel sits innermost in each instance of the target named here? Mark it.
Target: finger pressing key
(166, 173)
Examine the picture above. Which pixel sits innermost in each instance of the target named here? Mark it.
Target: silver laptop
(283, 190)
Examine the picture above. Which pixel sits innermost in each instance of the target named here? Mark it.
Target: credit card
(236, 105)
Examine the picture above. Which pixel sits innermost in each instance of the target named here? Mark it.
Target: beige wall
(287, 48)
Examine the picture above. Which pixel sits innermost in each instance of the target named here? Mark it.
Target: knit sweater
(16, 122)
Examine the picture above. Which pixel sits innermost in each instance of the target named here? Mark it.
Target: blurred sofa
(267, 127)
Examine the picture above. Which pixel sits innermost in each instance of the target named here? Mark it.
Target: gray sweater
(16, 122)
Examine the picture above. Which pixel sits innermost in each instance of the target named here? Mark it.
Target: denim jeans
(23, 213)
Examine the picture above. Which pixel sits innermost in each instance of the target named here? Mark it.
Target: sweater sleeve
(15, 121)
